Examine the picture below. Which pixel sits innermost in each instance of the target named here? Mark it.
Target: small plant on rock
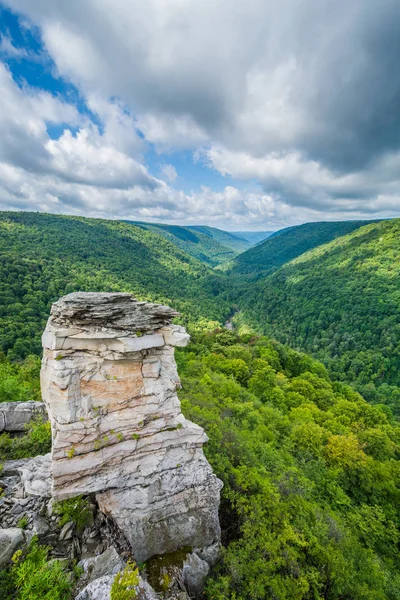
(23, 522)
(125, 583)
(71, 452)
(78, 510)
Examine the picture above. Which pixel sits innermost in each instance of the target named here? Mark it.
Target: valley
(306, 444)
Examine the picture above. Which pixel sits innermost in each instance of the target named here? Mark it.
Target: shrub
(125, 582)
(78, 510)
(35, 578)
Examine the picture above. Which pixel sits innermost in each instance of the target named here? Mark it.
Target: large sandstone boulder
(109, 382)
(14, 416)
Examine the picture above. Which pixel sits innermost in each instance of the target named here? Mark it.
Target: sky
(243, 115)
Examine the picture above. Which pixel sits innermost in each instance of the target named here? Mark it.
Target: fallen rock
(107, 563)
(194, 573)
(40, 526)
(36, 476)
(14, 416)
(11, 467)
(210, 553)
(10, 540)
(99, 589)
(67, 531)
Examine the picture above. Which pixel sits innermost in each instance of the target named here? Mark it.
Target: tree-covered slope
(311, 499)
(230, 240)
(340, 301)
(193, 240)
(285, 245)
(43, 257)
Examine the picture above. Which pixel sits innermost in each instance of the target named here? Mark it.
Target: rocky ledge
(98, 545)
(15, 416)
(109, 382)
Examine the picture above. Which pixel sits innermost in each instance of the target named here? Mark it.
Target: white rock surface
(99, 589)
(36, 476)
(99, 572)
(118, 430)
(175, 335)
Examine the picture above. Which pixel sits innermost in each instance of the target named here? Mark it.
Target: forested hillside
(287, 244)
(311, 497)
(43, 257)
(340, 302)
(197, 243)
(231, 240)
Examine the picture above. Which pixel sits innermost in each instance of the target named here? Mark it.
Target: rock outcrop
(15, 416)
(109, 382)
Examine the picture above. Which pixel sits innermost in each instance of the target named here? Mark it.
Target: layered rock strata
(109, 382)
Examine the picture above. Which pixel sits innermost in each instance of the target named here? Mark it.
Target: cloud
(298, 100)
(170, 172)
(169, 132)
(8, 50)
(24, 114)
(306, 183)
(96, 171)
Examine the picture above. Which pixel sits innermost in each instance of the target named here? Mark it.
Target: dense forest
(311, 472)
(207, 244)
(43, 257)
(340, 302)
(311, 497)
(287, 244)
(234, 241)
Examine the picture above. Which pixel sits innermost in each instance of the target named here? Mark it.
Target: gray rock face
(11, 467)
(99, 589)
(118, 430)
(14, 416)
(10, 540)
(117, 311)
(107, 563)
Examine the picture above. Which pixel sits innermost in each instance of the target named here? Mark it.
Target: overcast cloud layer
(296, 103)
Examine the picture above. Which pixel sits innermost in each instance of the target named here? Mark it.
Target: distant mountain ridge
(254, 237)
